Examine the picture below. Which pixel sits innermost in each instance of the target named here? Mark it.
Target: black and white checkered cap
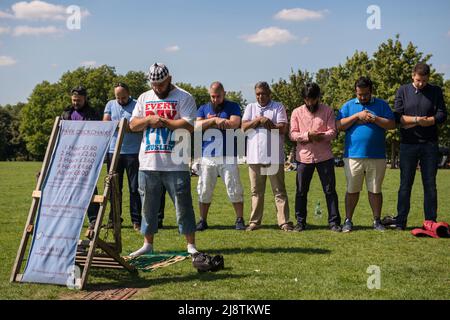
(158, 73)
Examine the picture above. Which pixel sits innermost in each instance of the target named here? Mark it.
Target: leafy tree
(289, 94)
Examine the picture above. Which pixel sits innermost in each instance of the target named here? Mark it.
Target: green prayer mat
(152, 261)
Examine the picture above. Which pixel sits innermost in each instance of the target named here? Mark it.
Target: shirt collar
(372, 100)
(267, 106)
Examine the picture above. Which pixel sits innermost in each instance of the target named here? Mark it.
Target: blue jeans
(410, 155)
(178, 185)
(130, 164)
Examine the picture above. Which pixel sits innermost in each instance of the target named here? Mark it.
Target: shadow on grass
(267, 250)
(128, 280)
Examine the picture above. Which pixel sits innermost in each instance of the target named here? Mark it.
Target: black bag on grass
(204, 262)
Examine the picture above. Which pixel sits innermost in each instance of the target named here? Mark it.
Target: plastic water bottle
(318, 210)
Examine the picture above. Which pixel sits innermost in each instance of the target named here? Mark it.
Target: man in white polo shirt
(259, 119)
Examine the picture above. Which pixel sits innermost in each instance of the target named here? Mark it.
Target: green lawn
(264, 264)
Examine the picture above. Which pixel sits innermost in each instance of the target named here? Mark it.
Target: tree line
(25, 127)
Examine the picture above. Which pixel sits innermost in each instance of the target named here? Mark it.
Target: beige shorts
(358, 169)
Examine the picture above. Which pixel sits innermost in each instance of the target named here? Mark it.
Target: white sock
(191, 248)
(146, 248)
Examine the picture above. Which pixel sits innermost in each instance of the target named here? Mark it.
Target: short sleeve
(281, 114)
(138, 111)
(236, 110)
(201, 112)
(108, 108)
(247, 113)
(188, 109)
(387, 111)
(343, 112)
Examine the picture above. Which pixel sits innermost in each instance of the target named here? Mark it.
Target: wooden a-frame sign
(87, 255)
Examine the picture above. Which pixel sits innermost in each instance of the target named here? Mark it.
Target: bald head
(217, 93)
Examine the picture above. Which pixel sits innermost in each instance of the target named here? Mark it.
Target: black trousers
(327, 177)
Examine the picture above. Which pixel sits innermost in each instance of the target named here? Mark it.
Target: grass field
(264, 264)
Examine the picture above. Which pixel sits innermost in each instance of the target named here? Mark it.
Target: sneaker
(240, 225)
(378, 226)
(252, 227)
(348, 226)
(300, 227)
(400, 228)
(201, 225)
(137, 227)
(335, 228)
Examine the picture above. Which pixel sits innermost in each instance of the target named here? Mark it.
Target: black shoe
(201, 225)
(389, 222)
(335, 228)
(400, 228)
(300, 227)
(240, 225)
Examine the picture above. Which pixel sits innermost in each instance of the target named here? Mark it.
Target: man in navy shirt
(419, 108)
(215, 118)
(365, 121)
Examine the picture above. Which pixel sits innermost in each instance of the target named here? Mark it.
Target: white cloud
(38, 10)
(6, 61)
(35, 31)
(89, 63)
(5, 30)
(172, 49)
(300, 14)
(269, 37)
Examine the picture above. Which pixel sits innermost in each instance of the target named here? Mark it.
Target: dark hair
(364, 82)
(122, 85)
(80, 90)
(311, 90)
(263, 85)
(422, 69)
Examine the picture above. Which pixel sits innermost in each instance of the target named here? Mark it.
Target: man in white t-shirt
(261, 120)
(161, 113)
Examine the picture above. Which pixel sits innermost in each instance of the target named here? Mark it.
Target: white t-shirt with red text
(157, 143)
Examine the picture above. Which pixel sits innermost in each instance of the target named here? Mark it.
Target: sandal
(287, 227)
(253, 227)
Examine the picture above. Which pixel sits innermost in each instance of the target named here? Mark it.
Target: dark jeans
(327, 177)
(130, 164)
(93, 208)
(410, 155)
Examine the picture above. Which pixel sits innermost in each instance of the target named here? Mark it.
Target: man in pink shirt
(313, 127)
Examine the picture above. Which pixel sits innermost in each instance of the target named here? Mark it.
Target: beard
(164, 94)
(218, 108)
(313, 108)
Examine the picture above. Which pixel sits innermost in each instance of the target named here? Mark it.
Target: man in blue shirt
(122, 108)
(365, 121)
(214, 119)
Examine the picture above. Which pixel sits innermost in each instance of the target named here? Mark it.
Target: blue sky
(202, 40)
